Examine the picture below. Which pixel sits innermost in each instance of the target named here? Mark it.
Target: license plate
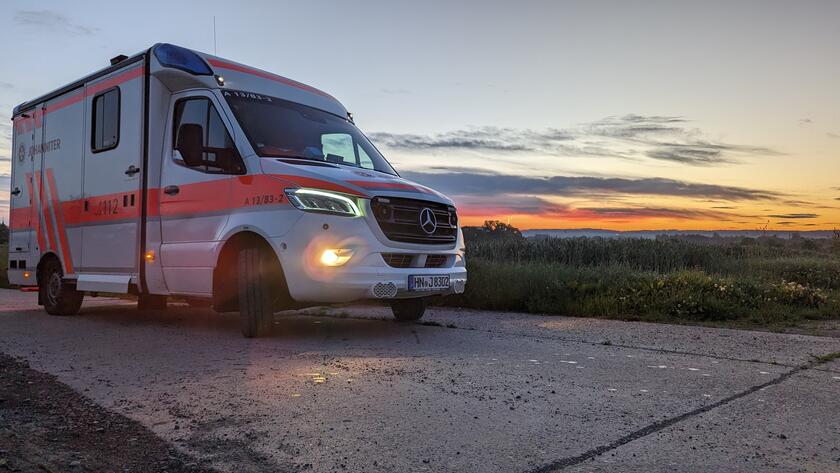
(428, 283)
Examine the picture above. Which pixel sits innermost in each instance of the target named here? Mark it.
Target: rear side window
(106, 121)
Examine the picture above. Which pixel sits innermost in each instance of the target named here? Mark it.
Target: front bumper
(365, 275)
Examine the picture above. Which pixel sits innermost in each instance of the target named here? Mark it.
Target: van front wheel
(408, 310)
(58, 297)
(256, 308)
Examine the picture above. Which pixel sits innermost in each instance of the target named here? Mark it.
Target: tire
(151, 302)
(408, 310)
(256, 302)
(58, 297)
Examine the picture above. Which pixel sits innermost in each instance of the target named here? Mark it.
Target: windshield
(279, 128)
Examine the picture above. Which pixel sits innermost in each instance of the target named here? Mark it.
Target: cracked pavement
(347, 389)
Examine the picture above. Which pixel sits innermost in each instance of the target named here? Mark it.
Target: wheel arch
(225, 278)
(49, 255)
(39, 269)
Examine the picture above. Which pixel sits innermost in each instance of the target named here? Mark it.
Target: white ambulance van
(178, 173)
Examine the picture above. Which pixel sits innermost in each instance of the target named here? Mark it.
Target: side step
(103, 283)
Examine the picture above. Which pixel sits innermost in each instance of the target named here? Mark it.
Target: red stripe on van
(59, 220)
(45, 211)
(267, 75)
(101, 208)
(19, 218)
(303, 181)
(97, 87)
(385, 185)
(196, 198)
(35, 120)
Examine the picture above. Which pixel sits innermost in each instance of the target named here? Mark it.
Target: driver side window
(200, 139)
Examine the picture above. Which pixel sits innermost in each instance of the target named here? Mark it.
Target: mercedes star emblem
(428, 221)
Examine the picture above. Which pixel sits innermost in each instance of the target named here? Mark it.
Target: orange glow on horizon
(552, 222)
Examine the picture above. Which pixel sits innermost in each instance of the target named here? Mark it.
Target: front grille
(407, 260)
(399, 220)
(398, 260)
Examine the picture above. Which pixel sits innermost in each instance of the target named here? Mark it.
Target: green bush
(666, 279)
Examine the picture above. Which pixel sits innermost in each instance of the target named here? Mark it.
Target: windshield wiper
(289, 156)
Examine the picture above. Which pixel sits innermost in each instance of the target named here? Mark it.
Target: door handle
(16, 191)
(132, 170)
(171, 190)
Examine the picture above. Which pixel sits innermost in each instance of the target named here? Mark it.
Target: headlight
(313, 200)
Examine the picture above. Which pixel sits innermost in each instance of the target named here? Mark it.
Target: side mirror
(191, 143)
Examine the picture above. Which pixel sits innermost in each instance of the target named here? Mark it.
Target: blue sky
(621, 111)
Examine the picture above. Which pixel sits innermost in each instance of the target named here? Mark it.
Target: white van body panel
(134, 217)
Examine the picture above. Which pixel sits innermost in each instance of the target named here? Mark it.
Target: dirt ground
(47, 427)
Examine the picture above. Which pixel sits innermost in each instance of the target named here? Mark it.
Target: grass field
(766, 282)
(749, 282)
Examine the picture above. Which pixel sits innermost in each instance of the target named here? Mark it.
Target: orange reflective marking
(19, 218)
(59, 219)
(45, 210)
(36, 222)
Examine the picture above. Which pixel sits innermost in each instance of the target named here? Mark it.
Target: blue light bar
(180, 58)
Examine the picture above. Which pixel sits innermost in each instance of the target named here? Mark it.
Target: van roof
(267, 82)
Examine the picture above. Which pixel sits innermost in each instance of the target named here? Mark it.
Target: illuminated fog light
(335, 257)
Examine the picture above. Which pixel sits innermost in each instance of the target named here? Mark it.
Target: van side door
(23, 211)
(199, 164)
(113, 158)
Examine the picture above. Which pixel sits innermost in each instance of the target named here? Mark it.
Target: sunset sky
(618, 115)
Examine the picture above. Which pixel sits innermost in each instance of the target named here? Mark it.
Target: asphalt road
(467, 392)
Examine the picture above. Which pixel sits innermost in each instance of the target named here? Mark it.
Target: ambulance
(177, 173)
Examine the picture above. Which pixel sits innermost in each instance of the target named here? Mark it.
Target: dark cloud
(634, 126)
(798, 224)
(723, 207)
(662, 138)
(805, 121)
(483, 139)
(806, 203)
(833, 135)
(655, 212)
(793, 216)
(703, 153)
(51, 20)
(469, 205)
(530, 205)
(460, 181)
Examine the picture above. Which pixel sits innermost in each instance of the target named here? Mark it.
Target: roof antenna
(214, 36)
